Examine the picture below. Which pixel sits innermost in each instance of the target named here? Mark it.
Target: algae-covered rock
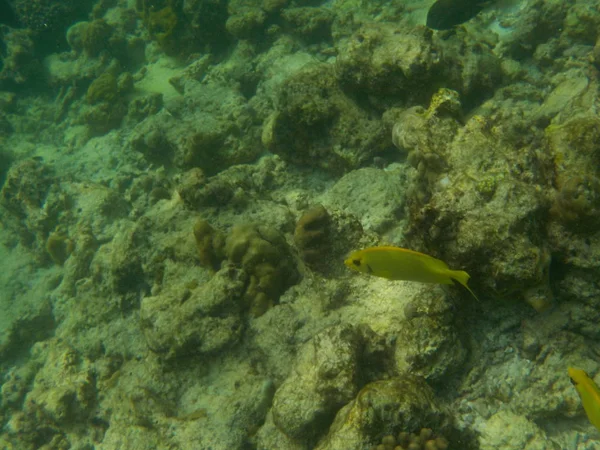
(375, 197)
(325, 377)
(103, 89)
(405, 403)
(312, 23)
(181, 29)
(214, 129)
(105, 95)
(32, 202)
(204, 320)
(577, 200)
(90, 37)
(316, 124)
(430, 344)
(19, 62)
(476, 197)
(525, 434)
(63, 389)
(246, 23)
(385, 60)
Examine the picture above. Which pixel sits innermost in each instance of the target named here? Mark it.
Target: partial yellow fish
(589, 393)
(395, 263)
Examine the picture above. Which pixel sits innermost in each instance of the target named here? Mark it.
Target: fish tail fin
(462, 277)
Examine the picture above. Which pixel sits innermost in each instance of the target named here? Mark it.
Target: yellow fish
(395, 263)
(589, 393)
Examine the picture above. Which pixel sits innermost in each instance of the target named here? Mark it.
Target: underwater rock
(214, 130)
(405, 403)
(90, 37)
(477, 198)
(126, 274)
(19, 62)
(35, 324)
(432, 320)
(200, 321)
(103, 89)
(387, 60)
(524, 433)
(33, 202)
(64, 388)
(373, 196)
(49, 19)
(577, 200)
(311, 23)
(181, 30)
(316, 124)
(154, 144)
(324, 379)
(246, 23)
(106, 102)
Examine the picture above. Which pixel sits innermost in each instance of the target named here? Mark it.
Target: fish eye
(356, 262)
